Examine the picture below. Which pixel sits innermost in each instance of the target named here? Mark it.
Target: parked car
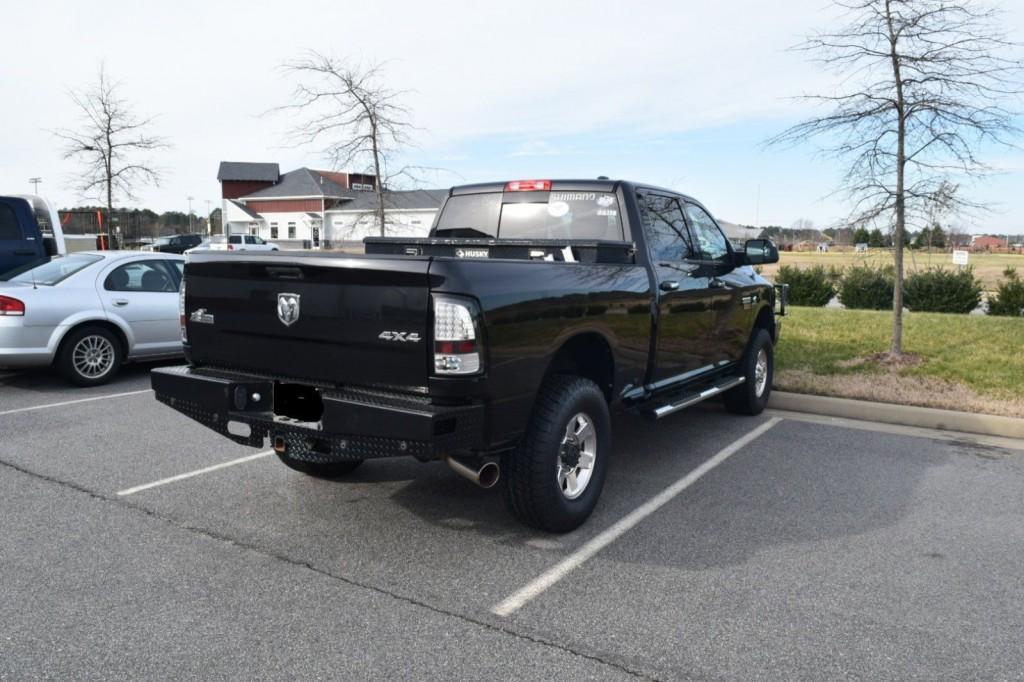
(88, 312)
(498, 344)
(178, 243)
(242, 242)
(29, 232)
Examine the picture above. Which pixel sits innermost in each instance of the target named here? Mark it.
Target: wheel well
(103, 324)
(587, 355)
(766, 320)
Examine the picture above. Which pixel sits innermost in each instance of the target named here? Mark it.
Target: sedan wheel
(93, 356)
(89, 356)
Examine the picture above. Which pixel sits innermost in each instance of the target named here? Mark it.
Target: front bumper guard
(356, 423)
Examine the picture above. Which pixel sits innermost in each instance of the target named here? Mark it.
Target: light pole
(35, 184)
(190, 228)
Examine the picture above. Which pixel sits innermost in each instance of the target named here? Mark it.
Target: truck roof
(569, 185)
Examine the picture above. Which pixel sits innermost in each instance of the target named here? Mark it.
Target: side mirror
(758, 251)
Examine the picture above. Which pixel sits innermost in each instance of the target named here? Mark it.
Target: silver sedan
(86, 313)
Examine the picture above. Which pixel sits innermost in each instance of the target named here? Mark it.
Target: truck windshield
(53, 271)
(536, 215)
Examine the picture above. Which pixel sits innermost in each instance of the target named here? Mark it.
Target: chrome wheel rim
(93, 356)
(576, 456)
(761, 372)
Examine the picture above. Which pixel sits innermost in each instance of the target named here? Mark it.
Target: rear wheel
(89, 356)
(321, 469)
(758, 368)
(554, 478)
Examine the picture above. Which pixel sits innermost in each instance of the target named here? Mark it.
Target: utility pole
(35, 184)
(190, 228)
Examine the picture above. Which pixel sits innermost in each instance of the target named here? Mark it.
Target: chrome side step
(694, 398)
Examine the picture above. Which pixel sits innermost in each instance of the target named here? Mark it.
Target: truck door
(728, 333)
(20, 241)
(684, 315)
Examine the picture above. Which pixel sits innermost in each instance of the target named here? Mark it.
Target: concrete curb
(906, 415)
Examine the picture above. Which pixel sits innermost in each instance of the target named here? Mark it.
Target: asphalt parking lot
(808, 550)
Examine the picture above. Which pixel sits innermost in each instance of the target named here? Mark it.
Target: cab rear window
(536, 215)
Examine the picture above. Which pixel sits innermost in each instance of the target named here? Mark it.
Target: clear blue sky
(679, 94)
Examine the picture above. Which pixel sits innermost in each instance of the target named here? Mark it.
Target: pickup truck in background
(29, 232)
(498, 344)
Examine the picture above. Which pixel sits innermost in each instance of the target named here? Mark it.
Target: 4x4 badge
(412, 337)
(288, 309)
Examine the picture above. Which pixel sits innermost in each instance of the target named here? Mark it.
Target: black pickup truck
(497, 344)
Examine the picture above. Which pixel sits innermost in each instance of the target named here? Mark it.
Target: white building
(306, 208)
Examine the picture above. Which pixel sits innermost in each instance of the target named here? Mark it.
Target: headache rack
(560, 250)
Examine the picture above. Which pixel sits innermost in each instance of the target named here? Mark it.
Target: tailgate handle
(284, 273)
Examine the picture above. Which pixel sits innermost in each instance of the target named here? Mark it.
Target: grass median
(956, 362)
(988, 267)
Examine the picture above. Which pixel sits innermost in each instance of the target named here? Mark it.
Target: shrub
(867, 288)
(1009, 299)
(810, 286)
(939, 290)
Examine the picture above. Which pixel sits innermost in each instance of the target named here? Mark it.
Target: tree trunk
(378, 184)
(896, 347)
(110, 212)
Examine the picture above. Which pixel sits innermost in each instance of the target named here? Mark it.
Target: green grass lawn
(988, 267)
(961, 354)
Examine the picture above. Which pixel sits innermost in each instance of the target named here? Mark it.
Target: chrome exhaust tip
(486, 476)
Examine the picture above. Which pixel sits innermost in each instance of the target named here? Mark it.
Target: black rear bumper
(355, 423)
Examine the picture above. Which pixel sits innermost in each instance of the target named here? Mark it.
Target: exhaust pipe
(485, 477)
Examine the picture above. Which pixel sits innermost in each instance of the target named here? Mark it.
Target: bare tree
(349, 110)
(924, 85)
(110, 143)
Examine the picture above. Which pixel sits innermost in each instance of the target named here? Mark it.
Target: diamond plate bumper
(356, 423)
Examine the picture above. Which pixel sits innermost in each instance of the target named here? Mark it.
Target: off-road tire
(65, 361)
(531, 489)
(329, 470)
(745, 399)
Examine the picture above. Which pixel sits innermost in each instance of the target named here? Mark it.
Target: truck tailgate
(341, 308)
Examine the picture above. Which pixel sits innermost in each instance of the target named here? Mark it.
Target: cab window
(712, 243)
(9, 228)
(665, 229)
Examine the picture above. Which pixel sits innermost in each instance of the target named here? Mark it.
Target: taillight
(11, 306)
(181, 311)
(231, 247)
(456, 337)
(528, 186)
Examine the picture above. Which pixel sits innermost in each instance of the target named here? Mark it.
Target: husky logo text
(288, 309)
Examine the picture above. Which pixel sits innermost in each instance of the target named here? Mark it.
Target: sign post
(960, 258)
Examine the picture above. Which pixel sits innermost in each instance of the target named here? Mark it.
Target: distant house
(307, 208)
(986, 243)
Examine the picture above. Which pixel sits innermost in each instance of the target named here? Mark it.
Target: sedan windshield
(53, 271)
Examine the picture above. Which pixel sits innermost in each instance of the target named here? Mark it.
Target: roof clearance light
(528, 186)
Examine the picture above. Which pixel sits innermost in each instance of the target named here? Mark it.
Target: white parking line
(75, 402)
(197, 472)
(516, 601)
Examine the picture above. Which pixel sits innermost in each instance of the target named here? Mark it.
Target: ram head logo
(288, 309)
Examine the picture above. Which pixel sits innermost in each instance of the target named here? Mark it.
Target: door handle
(25, 252)
(669, 285)
(120, 302)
